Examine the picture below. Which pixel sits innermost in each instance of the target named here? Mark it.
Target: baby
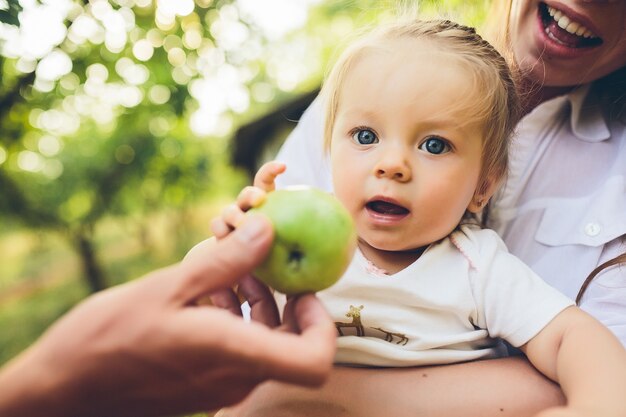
(418, 120)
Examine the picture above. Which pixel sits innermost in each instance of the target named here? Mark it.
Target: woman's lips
(563, 30)
(570, 24)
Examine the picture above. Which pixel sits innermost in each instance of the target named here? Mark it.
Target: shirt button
(593, 229)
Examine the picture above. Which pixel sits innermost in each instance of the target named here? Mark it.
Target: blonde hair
(497, 25)
(496, 107)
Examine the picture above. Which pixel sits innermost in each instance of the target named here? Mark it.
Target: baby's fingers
(266, 175)
(250, 197)
(232, 216)
(219, 228)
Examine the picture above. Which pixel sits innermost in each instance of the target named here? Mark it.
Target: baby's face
(405, 162)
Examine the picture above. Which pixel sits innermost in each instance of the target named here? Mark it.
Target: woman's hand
(148, 348)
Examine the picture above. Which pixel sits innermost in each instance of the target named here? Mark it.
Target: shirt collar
(587, 120)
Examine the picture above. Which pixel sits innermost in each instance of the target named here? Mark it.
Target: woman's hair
(496, 26)
(612, 88)
(494, 102)
(620, 259)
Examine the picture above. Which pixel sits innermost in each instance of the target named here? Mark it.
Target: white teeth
(564, 22)
(573, 27)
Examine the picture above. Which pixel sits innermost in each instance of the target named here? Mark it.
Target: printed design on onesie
(356, 328)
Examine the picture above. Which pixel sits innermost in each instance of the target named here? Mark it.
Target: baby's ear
(483, 193)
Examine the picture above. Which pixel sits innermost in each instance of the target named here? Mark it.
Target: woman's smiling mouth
(565, 30)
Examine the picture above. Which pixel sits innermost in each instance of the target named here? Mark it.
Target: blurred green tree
(93, 122)
(126, 107)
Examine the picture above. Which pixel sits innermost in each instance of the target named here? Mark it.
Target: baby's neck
(390, 261)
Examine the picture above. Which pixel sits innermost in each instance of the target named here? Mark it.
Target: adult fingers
(304, 358)
(226, 261)
(266, 175)
(310, 355)
(264, 353)
(290, 318)
(262, 304)
(226, 299)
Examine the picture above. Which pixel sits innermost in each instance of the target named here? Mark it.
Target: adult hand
(148, 348)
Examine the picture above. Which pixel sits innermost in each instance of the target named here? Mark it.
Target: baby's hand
(264, 178)
(249, 197)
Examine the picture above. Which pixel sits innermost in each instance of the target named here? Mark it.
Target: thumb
(227, 261)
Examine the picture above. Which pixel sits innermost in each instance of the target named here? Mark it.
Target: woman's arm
(508, 387)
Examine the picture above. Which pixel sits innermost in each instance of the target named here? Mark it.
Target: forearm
(586, 359)
(27, 389)
(591, 368)
(503, 387)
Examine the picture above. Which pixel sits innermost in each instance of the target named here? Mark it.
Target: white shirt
(446, 307)
(563, 209)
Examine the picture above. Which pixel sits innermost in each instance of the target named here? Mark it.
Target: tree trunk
(91, 269)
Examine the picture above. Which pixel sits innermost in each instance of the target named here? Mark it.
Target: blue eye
(365, 136)
(435, 146)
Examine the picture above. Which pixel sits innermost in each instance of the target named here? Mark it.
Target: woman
(563, 211)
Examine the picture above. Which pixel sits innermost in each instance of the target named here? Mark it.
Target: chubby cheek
(448, 201)
(347, 193)
(347, 182)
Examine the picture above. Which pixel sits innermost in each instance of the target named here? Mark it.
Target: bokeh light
(30, 161)
(54, 65)
(49, 145)
(41, 29)
(52, 169)
(215, 58)
(143, 50)
(276, 17)
(159, 94)
(175, 7)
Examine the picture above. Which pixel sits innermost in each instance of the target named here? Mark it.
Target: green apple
(314, 240)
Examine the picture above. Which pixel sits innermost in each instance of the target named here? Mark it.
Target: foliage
(10, 13)
(107, 135)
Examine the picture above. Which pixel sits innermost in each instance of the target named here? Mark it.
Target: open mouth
(386, 208)
(565, 30)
